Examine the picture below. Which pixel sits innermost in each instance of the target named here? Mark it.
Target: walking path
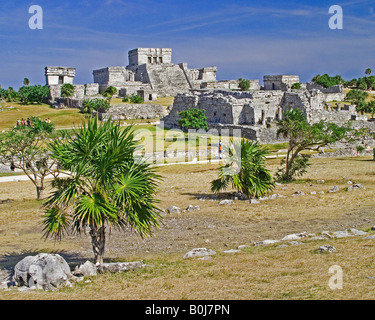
(21, 177)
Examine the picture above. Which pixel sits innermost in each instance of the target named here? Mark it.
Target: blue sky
(246, 39)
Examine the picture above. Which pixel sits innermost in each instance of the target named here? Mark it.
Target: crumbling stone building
(255, 111)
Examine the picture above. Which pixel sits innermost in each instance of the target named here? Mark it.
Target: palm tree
(245, 170)
(107, 187)
(109, 92)
(368, 71)
(371, 108)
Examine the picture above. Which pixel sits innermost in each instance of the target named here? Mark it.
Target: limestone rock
(265, 242)
(326, 248)
(119, 266)
(85, 270)
(199, 252)
(341, 234)
(357, 232)
(232, 251)
(298, 193)
(355, 186)
(295, 236)
(173, 209)
(334, 189)
(223, 202)
(193, 208)
(43, 271)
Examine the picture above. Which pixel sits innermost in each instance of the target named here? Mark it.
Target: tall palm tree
(245, 170)
(107, 187)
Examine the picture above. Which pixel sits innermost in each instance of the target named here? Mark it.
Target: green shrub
(67, 90)
(33, 94)
(133, 99)
(296, 85)
(327, 81)
(244, 84)
(193, 118)
(99, 105)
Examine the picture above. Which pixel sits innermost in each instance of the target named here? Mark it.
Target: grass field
(257, 272)
(61, 118)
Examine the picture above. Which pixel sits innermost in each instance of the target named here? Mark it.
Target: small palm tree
(107, 187)
(67, 90)
(245, 170)
(109, 92)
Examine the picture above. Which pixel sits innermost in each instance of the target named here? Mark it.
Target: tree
(24, 148)
(67, 90)
(327, 81)
(134, 98)
(26, 81)
(245, 170)
(109, 92)
(371, 108)
(11, 95)
(362, 84)
(193, 118)
(33, 94)
(244, 84)
(361, 107)
(91, 105)
(368, 71)
(304, 136)
(296, 85)
(354, 96)
(106, 188)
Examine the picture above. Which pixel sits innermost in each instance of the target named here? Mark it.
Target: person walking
(220, 150)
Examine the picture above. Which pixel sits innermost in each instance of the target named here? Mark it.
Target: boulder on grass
(43, 271)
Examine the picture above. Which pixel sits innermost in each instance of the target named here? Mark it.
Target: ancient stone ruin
(151, 74)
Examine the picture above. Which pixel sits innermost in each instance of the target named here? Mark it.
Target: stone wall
(59, 75)
(133, 111)
(140, 56)
(167, 79)
(279, 82)
(112, 76)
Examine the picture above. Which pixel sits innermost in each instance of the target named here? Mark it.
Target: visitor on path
(220, 150)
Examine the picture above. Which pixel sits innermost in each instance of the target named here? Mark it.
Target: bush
(67, 90)
(355, 96)
(296, 85)
(244, 84)
(109, 92)
(33, 94)
(133, 99)
(9, 94)
(99, 105)
(193, 118)
(327, 81)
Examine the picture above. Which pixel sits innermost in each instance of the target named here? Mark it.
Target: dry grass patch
(61, 118)
(293, 272)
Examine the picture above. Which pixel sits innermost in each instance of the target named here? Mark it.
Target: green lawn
(61, 118)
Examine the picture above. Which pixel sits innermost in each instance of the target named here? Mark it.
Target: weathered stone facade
(59, 75)
(133, 111)
(254, 111)
(280, 82)
(152, 70)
